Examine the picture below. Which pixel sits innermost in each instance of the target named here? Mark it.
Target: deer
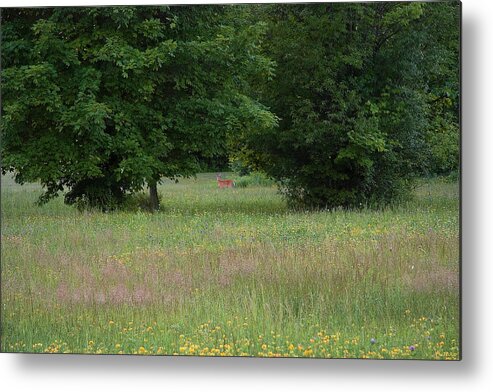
(224, 183)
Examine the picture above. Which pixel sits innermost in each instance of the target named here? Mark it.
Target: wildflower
(373, 340)
(412, 348)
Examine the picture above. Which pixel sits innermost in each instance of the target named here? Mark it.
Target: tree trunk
(153, 197)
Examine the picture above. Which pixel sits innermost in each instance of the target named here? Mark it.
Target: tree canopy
(367, 96)
(341, 103)
(101, 101)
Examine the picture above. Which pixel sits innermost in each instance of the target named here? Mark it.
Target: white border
(88, 373)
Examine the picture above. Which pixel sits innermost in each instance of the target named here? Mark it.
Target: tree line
(343, 104)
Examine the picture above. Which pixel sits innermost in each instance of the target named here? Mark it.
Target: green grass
(232, 272)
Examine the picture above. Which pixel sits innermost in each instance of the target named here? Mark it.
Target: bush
(444, 144)
(254, 179)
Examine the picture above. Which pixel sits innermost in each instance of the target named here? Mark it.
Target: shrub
(254, 179)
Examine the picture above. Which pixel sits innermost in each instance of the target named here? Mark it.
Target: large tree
(356, 86)
(100, 102)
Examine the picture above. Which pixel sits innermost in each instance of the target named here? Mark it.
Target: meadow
(232, 272)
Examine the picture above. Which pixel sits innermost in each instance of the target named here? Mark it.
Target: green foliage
(352, 89)
(254, 179)
(102, 101)
(341, 104)
(441, 59)
(444, 145)
(239, 166)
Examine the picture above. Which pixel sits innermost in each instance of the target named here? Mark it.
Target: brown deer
(224, 183)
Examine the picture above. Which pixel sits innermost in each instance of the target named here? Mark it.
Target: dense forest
(342, 104)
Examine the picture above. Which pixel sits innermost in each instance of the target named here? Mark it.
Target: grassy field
(232, 272)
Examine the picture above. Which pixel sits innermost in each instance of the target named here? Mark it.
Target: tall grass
(232, 272)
